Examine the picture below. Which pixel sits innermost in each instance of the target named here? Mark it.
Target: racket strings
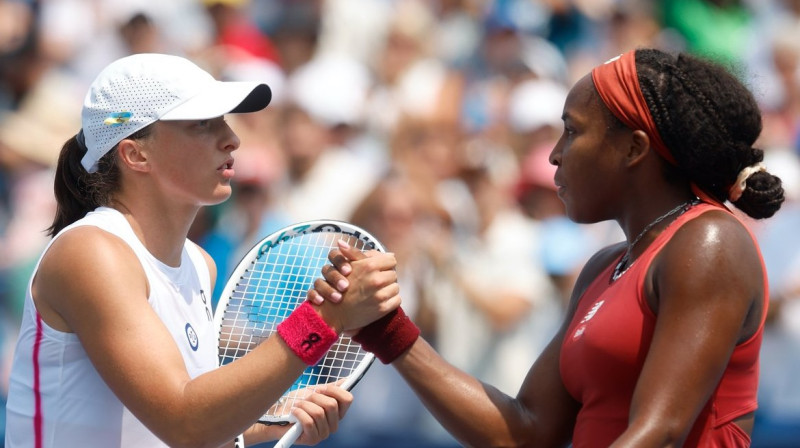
(267, 292)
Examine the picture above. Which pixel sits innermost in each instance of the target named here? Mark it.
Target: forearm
(213, 408)
(260, 433)
(653, 435)
(475, 413)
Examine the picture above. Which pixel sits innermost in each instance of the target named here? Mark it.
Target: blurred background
(427, 122)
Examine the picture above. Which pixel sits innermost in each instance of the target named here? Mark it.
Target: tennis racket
(267, 285)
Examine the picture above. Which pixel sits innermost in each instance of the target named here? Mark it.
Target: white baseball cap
(138, 90)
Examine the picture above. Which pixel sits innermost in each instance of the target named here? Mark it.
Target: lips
(559, 186)
(226, 169)
(227, 165)
(557, 182)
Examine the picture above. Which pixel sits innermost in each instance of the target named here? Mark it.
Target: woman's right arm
(477, 414)
(542, 414)
(91, 283)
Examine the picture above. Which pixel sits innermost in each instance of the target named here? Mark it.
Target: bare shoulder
(81, 267)
(714, 237)
(86, 239)
(87, 248)
(711, 265)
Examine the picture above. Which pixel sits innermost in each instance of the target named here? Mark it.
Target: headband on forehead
(618, 85)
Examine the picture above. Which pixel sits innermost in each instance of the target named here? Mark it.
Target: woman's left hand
(318, 413)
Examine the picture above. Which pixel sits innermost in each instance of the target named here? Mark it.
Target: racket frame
(261, 248)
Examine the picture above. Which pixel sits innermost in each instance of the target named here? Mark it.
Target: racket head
(270, 281)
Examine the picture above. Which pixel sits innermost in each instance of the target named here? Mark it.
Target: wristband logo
(194, 341)
(309, 342)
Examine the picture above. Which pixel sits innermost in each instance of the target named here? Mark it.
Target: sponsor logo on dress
(194, 341)
(205, 304)
(586, 318)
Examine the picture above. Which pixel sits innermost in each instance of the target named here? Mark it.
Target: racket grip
(290, 437)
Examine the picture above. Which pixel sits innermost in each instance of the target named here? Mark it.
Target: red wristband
(307, 334)
(389, 336)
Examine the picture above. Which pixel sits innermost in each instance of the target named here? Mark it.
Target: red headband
(618, 85)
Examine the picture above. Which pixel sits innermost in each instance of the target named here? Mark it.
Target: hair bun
(762, 196)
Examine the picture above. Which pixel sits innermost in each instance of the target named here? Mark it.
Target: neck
(643, 206)
(649, 232)
(158, 226)
(664, 217)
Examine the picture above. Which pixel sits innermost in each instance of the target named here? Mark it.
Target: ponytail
(77, 191)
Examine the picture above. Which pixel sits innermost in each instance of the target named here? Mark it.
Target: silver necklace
(623, 266)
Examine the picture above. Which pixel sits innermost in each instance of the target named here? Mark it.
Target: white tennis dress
(56, 397)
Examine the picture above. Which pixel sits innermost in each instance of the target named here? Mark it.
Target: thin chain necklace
(623, 266)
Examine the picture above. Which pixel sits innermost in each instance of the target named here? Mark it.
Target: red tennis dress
(605, 347)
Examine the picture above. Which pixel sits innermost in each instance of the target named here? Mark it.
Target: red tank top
(605, 347)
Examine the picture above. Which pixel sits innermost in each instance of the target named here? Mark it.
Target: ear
(639, 148)
(133, 154)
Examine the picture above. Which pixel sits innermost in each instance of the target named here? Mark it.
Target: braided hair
(709, 121)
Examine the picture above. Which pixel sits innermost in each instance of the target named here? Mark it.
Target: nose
(555, 155)
(231, 141)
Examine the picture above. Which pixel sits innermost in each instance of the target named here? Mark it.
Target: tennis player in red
(660, 344)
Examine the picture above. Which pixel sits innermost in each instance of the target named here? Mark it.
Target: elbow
(519, 436)
(189, 441)
(674, 436)
(182, 439)
(490, 445)
(505, 444)
(176, 444)
(667, 433)
(187, 435)
(673, 432)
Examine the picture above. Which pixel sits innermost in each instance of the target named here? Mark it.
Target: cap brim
(222, 98)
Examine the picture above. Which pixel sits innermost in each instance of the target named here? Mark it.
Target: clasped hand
(357, 288)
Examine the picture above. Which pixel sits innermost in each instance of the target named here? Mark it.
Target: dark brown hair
(77, 191)
(709, 120)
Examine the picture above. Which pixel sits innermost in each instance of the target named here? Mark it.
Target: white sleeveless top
(56, 397)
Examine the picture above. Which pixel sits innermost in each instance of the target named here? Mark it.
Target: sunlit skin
(197, 165)
(589, 157)
(180, 167)
(705, 287)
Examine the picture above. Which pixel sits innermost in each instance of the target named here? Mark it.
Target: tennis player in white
(117, 346)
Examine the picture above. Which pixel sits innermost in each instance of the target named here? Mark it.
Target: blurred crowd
(428, 123)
